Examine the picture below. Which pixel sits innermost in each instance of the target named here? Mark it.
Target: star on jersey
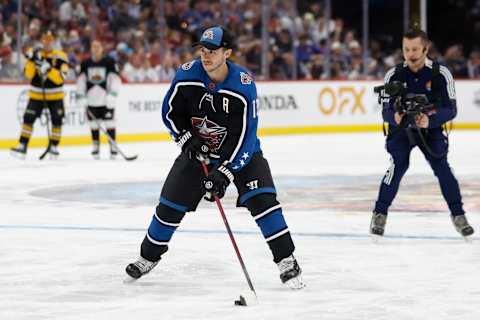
(242, 163)
(210, 132)
(245, 155)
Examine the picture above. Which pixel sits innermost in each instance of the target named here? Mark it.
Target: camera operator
(420, 76)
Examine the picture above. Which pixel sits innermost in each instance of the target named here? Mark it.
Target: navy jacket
(421, 83)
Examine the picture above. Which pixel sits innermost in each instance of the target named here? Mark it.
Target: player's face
(213, 59)
(47, 43)
(414, 52)
(97, 50)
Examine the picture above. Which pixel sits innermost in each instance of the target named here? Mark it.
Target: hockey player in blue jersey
(420, 76)
(211, 112)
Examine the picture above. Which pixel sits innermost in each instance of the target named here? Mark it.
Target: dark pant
(399, 148)
(182, 191)
(34, 110)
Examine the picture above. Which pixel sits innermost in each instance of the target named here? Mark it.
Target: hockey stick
(230, 234)
(44, 154)
(45, 107)
(110, 139)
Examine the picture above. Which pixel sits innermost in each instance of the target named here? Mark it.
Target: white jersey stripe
(175, 90)
(388, 75)
(429, 63)
(450, 83)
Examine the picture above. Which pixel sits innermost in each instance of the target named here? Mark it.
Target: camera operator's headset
(402, 77)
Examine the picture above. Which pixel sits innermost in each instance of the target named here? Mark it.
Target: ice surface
(68, 229)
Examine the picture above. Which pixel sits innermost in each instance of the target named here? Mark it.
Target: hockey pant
(34, 110)
(182, 192)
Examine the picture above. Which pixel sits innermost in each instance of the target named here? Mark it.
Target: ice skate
(291, 273)
(140, 267)
(462, 226)
(20, 151)
(113, 152)
(377, 225)
(53, 153)
(96, 150)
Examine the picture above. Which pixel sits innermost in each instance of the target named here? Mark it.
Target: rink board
(287, 107)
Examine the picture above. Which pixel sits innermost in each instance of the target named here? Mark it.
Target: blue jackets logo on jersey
(210, 132)
(188, 65)
(245, 78)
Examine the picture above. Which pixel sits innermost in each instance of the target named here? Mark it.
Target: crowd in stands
(150, 41)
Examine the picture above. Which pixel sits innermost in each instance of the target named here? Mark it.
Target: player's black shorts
(183, 186)
(56, 108)
(101, 113)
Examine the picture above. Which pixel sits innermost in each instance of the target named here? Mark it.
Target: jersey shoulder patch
(189, 70)
(245, 78)
(187, 66)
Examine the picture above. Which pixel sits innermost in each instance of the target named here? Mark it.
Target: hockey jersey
(98, 82)
(223, 114)
(50, 88)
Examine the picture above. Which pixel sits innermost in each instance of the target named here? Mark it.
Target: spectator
(8, 71)
(455, 61)
(138, 69)
(167, 70)
(130, 27)
(474, 64)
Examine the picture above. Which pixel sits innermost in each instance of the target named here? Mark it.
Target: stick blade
(131, 158)
(44, 154)
(241, 301)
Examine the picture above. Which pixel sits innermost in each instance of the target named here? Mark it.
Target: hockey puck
(241, 301)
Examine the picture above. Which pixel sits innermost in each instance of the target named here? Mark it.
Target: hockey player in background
(45, 69)
(97, 89)
(211, 112)
(420, 75)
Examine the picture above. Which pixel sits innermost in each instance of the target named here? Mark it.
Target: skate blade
(376, 238)
(468, 239)
(129, 280)
(18, 155)
(296, 283)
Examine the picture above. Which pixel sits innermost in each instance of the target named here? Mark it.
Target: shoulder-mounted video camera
(404, 103)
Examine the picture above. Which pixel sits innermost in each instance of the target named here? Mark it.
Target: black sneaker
(462, 226)
(140, 267)
(20, 151)
(291, 273)
(377, 225)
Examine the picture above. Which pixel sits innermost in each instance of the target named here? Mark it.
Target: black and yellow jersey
(50, 88)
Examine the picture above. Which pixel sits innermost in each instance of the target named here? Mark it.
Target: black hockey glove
(34, 55)
(192, 145)
(217, 181)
